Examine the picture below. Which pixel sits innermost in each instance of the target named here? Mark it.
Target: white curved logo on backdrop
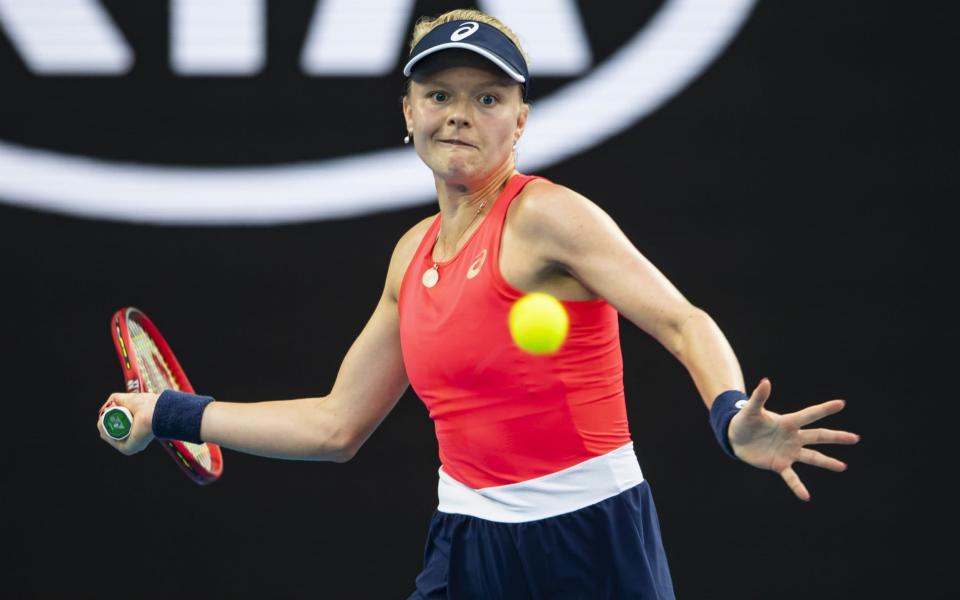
(678, 43)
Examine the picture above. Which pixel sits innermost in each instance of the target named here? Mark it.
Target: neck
(460, 200)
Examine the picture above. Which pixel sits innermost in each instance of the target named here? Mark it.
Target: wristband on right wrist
(177, 416)
(724, 407)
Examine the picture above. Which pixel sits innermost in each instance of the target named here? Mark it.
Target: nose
(459, 115)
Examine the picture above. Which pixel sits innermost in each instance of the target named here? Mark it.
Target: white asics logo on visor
(464, 31)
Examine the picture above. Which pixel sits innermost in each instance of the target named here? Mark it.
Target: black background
(793, 191)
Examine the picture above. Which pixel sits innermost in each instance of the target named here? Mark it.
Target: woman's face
(465, 115)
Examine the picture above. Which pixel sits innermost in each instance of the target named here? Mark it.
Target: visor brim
(486, 53)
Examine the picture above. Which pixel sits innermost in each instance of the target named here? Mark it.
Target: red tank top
(501, 415)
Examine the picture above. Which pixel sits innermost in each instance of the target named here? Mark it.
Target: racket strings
(158, 377)
(153, 367)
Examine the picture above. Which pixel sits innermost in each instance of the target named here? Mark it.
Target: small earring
(406, 139)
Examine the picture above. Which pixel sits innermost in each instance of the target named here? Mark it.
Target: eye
(488, 99)
(438, 96)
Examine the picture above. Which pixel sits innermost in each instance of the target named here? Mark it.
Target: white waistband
(565, 491)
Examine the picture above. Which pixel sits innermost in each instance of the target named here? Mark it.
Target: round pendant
(431, 277)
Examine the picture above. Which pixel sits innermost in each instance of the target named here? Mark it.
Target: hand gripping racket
(149, 366)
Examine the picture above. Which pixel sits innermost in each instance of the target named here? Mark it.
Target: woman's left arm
(578, 236)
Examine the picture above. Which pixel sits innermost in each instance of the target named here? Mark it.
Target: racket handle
(117, 422)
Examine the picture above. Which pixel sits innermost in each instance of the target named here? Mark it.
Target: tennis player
(540, 492)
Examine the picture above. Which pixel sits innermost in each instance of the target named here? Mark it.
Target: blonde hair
(425, 24)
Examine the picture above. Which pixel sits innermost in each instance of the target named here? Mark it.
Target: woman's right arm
(332, 427)
(369, 383)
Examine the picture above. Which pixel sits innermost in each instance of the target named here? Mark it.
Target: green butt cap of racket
(117, 422)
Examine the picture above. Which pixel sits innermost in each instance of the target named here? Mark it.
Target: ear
(408, 113)
(521, 121)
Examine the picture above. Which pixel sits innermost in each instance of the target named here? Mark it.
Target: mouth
(457, 143)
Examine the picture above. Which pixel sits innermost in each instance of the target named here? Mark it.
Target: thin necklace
(432, 275)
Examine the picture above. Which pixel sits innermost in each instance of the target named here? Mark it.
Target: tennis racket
(149, 365)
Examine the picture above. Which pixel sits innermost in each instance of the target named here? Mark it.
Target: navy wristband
(177, 416)
(721, 412)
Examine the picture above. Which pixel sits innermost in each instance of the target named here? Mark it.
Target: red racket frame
(134, 383)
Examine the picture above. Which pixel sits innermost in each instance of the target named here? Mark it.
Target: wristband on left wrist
(722, 411)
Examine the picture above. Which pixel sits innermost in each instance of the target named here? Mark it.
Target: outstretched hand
(771, 441)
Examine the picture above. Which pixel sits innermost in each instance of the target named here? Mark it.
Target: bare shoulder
(403, 253)
(555, 215)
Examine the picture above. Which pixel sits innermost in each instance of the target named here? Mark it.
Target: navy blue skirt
(609, 550)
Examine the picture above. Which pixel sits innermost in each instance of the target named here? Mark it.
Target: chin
(456, 172)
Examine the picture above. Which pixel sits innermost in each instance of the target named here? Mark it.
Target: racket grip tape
(117, 422)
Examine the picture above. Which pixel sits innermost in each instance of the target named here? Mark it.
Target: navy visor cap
(485, 40)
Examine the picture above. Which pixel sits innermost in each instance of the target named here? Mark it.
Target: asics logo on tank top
(243, 139)
(477, 264)
(464, 32)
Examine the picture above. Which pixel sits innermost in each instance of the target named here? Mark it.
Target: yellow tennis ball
(538, 323)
